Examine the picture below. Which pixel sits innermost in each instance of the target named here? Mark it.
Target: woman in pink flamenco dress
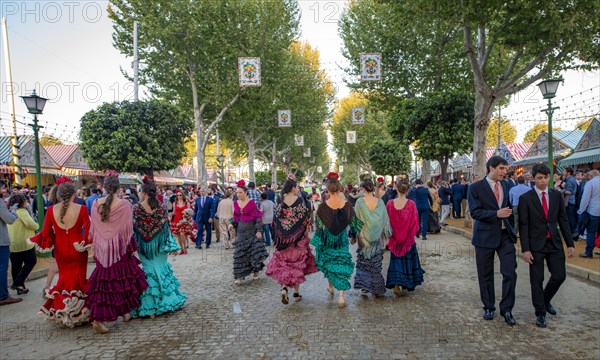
(292, 259)
(115, 286)
(404, 272)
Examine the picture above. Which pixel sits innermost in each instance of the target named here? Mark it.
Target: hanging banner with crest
(358, 116)
(351, 137)
(370, 66)
(249, 71)
(284, 118)
(299, 140)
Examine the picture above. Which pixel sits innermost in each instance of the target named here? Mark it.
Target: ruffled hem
(66, 308)
(405, 271)
(368, 273)
(162, 295)
(249, 256)
(336, 265)
(114, 291)
(290, 266)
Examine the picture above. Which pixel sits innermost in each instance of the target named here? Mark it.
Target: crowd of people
(132, 231)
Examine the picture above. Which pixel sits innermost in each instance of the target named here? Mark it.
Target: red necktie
(496, 192)
(545, 207)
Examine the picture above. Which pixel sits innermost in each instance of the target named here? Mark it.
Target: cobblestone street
(441, 319)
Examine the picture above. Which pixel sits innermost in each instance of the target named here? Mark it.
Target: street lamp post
(548, 89)
(221, 165)
(416, 153)
(35, 105)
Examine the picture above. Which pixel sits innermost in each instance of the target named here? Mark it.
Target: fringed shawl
(376, 226)
(148, 227)
(332, 225)
(405, 225)
(290, 223)
(112, 237)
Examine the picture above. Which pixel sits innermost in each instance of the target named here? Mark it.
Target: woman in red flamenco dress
(66, 228)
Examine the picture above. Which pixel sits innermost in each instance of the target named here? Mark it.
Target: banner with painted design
(249, 71)
(307, 152)
(299, 139)
(351, 137)
(358, 116)
(319, 169)
(370, 66)
(284, 118)
(341, 169)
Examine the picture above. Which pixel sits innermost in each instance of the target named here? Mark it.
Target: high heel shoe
(297, 297)
(99, 327)
(341, 302)
(126, 317)
(284, 296)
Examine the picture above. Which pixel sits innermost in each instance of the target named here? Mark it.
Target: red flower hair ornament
(146, 179)
(63, 179)
(332, 175)
(380, 180)
(241, 183)
(111, 172)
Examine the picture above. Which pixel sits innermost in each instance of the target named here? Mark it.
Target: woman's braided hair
(65, 192)
(111, 185)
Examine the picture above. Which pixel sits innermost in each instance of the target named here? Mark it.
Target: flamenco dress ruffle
(114, 291)
(290, 266)
(335, 262)
(163, 294)
(368, 272)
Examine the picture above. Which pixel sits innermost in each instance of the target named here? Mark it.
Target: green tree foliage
(421, 50)
(134, 136)
(532, 134)
(507, 130)
(438, 125)
(390, 157)
(295, 83)
(374, 128)
(513, 44)
(189, 50)
(49, 140)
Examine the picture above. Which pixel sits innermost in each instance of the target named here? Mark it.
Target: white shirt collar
(539, 192)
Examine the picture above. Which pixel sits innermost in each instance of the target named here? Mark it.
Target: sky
(64, 50)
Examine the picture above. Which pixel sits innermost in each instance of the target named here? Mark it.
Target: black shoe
(510, 320)
(424, 238)
(488, 314)
(550, 309)
(587, 256)
(541, 321)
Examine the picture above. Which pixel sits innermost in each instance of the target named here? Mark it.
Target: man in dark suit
(457, 190)
(493, 233)
(423, 200)
(541, 212)
(511, 179)
(204, 211)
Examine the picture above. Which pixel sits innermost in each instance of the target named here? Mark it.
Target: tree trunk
(483, 108)
(274, 164)
(444, 167)
(251, 152)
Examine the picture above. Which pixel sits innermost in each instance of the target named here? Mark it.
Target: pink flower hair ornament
(292, 176)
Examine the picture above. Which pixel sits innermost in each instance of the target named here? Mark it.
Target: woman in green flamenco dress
(331, 239)
(155, 242)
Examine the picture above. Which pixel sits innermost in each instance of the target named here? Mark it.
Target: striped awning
(81, 172)
(167, 180)
(581, 157)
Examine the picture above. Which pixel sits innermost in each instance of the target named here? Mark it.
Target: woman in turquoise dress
(155, 242)
(376, 227)
(331, 238)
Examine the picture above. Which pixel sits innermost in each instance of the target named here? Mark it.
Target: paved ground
(442, 319)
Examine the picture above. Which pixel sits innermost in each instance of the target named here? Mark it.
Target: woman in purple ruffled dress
(115, 286)
(292, 259)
